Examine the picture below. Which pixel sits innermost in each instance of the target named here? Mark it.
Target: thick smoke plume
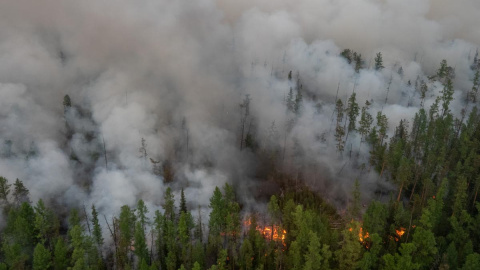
(174, 74)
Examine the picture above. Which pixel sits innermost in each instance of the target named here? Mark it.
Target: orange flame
(275, 232)
(362, 237)
(399, 233)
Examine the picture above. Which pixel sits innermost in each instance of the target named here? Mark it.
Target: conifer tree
(60, 260)
(358, 62)
(366, 121)
(169, 204)
(4, 191)
(352, 112)
(20, 193)
(41, 258)
(313, 259)
(142, 211)
(447, 96)
(339, 130)
(379, 62)
(67, 103)
(140, 244)
(97, 231)
(347, 54)
(442, 72)
(183, 203)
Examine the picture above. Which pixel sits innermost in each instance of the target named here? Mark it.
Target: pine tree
(339, 130)
(347, 54)
(43, 221)
(216, 222)
(126, 225)
(246, 255)
(143, 150)
(476, 82)
(184, 237)
(294, 259)
(370, 258)
(60, 260)
(183, 203)
(442, 72)
(171, 261)
(350, 251)
(140, 243)
(352, 112)
(423, 92)
(375, 218)
(142, 211)
(366, 121)
(313, 259)
(97, 231)
(447, 96)
(472, 262)
(196, 266)
(382, 123)
(379, 62)
(41, 258)
(290, 100)
(78, 259)
(358, 62)
(4, 191)
(67, 103)
(169, 204)
(402, 260)
(20, 193)
(298, 101)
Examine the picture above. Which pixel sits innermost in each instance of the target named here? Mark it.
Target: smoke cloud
(174, 74)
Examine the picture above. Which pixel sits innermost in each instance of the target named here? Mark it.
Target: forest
(226, 134)
(430, 221)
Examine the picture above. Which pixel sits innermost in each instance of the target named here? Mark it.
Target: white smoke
(176, 71)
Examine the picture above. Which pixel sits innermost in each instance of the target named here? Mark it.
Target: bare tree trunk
(105, 153)
(400, 192)
(410, 224)
(241, 135)
(383, 166)
(114, 236)
(413, 189)
(151, 248)
(86, 217)
(187, 143)
(475, 197)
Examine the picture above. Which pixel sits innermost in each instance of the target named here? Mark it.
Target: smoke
(174, 74)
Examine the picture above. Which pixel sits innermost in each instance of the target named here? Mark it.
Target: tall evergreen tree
(352, 112)
(379, 61)
(20, 193)
(41, 258)
(169, 204)
(4, 190)
(97, 231)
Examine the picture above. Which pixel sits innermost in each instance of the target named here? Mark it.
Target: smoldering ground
(175, 72)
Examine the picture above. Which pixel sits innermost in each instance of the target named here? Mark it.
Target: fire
(275, 232)
(362, 237)
(399, 233)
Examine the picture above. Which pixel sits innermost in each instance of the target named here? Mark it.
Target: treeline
(299, 231)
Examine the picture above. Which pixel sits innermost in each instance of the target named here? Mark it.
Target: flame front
(399, 233)
(275, 232)
(361, 236)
